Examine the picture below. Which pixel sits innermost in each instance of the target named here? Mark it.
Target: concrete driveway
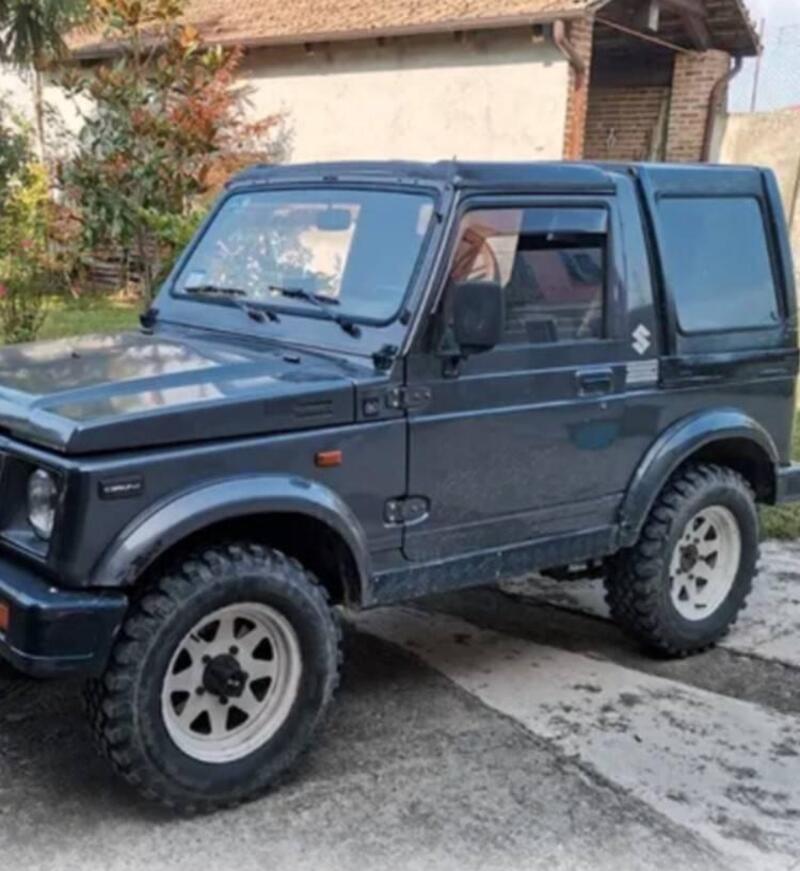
(495, 729)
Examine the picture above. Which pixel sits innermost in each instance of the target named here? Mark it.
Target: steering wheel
(475, 260)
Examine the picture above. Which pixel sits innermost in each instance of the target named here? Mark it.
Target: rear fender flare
(168, 523)
(675, 447)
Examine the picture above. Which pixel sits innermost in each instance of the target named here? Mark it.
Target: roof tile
(305, 20)
(264, 22)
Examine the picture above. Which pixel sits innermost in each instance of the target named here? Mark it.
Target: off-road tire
(124, 705)
(638, 588)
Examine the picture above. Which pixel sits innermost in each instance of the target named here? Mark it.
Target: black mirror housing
(479, 316)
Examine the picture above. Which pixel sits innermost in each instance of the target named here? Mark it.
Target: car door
(527, 441)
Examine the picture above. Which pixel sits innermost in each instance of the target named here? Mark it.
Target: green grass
(95, 314)
(784, 522)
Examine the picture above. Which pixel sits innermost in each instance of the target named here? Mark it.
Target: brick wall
(580, 34)
(693, 80)
(626, 123)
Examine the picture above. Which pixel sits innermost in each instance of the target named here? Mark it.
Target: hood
(106, 393)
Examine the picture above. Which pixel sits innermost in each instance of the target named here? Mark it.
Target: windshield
(351, 251)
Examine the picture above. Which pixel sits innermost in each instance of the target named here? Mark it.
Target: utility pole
(759, 61)
(794, 206)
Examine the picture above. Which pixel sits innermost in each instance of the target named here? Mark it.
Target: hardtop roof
(560, 176)
(458, 174)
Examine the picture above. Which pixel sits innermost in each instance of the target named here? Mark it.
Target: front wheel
(682, 586)
(220, 675)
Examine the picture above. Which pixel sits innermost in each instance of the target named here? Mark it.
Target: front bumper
(53, 632)
(788, 489)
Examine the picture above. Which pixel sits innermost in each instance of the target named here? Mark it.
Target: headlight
(42, 502)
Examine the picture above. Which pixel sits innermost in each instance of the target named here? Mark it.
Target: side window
(551, 264)
(717, 263)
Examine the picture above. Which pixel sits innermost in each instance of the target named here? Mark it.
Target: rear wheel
(682, 586)
(221, 673)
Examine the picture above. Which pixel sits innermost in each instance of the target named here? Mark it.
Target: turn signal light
(5, 617)
(328, 459)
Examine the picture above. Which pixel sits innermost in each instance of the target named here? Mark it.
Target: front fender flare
(170, 522)
(673, 448)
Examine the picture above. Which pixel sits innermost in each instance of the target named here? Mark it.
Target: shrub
(163, 113)
(28, 269)
(15, 149)
(23, 303)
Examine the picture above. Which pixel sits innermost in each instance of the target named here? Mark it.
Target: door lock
(408, 398)
(407, 511)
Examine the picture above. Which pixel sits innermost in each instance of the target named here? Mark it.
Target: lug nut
(234, 651)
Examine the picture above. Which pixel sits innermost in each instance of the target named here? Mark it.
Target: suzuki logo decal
(641, 340)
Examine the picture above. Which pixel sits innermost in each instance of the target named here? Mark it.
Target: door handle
(595, 382)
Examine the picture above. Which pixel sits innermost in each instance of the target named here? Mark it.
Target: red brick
(581, 35)
(623, 123)
(693, 81)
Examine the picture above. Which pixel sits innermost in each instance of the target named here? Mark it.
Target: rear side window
(717, 263)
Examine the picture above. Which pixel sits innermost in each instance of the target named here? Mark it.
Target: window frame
(669, 290)
(170, 284)
(613, 284)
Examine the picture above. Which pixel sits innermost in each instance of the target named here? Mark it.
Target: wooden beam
(693, 16)
(698, 31)
(691, 7)
(645, 37)
(649, 16)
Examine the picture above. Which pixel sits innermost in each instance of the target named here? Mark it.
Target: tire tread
(633, 587)
(107, 699)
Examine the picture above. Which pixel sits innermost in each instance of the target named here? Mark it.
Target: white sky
(780, 76)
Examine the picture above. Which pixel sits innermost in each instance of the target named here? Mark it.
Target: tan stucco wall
(769, 139)
(62, 115)
(17, 90)
(494, 96)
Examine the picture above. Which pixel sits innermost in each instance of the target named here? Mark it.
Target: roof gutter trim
(552, 177)
(104, 49)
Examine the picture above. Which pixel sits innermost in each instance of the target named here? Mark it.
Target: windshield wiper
(322, 303)
(258, 313)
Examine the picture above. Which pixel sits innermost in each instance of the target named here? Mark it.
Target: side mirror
(479, 316)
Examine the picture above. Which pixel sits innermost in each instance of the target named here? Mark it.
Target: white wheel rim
(231, 683)
(705, 563)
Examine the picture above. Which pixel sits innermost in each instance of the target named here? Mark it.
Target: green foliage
(32, 31)
(172, 233)
(15, 150)
(784, 522)
(28, 270)
(174, 230)
(23, 303)
(164, 114)
(24, 220)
